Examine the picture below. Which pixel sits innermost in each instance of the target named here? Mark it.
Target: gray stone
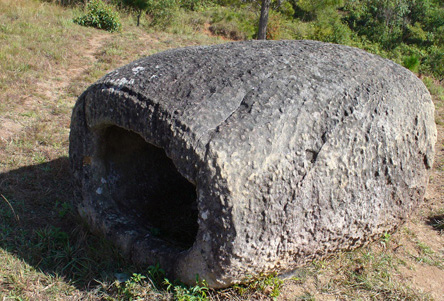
(234, 160)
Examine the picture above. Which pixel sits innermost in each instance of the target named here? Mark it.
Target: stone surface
(255, 157)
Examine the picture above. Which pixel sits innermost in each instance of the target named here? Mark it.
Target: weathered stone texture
(296, 149)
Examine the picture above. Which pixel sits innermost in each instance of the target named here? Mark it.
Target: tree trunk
(138, 17)
(262, 33)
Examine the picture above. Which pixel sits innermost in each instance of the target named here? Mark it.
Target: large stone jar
(245, 158)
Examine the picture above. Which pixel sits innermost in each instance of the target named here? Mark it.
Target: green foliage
(286, 9)
(131, 288)
(385, 238)
(184, 293)
(157, 275)
(411, 62)
(155, 284)
(269, 285)
(330, 28)
(235, 3)
(309, 10)
(193, 5)
(138, 5)
(434, 61)
(233, 23)
(161, 12)
(101, 16)
(392, 22)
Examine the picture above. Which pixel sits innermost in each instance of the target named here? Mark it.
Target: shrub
(238, 23)
(228, 30)
(193, 5)
(100, 15)
(411, 62)
(435, 61)
(161, 12)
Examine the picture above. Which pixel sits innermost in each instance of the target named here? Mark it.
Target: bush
(193, 5)
(435, 60)
(161, 12)
(101, 16)
(238, 23)
(411, 62)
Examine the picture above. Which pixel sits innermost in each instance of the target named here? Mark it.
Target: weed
(385, 239)
(157, 275)
(265, 285)
(182, 292)
(134, 288)
(63, 209)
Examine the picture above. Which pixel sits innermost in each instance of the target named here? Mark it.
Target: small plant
(62, 209)
(156, 274)
(101, 16)
(268, 285)
(184, 293)
(133, 288)
(385, 239)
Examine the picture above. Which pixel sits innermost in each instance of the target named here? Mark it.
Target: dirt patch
(8, 129)
(428, 279)
(90, 52)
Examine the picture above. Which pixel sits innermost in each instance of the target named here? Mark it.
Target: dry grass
(46, 61)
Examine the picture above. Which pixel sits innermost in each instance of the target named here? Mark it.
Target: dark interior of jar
(147, 188)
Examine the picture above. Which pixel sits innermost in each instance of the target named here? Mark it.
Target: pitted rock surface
(281, 152)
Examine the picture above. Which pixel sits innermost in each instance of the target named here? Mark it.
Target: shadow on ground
(437, 222)
(39, 225)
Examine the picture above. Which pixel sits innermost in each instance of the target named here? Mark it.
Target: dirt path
(95, 43)
(63, 77)
(50, 89)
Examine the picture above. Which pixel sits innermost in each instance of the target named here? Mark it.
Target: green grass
(367, 273)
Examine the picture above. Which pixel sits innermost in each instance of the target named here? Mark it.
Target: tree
(262, 32)
(139, 6)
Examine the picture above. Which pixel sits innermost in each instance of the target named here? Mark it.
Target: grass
(367, 272)
(46, 252)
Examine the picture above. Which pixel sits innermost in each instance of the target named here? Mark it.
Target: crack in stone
(213, 131)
